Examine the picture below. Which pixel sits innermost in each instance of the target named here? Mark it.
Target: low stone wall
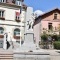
(31, 56)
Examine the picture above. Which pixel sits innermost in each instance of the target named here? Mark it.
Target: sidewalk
(54, 54)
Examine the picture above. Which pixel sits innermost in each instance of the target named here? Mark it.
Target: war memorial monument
(30, 50)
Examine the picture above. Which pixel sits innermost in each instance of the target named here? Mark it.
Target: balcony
(16, 37)
(2, 18)
(18, 21)
(1, 36)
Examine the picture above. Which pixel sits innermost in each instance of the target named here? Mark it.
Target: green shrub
(44, 37)
(56, 45)
(58, 38)
(55, 37)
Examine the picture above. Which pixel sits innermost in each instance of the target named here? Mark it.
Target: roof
(42, 15)
(13, 5)
(12, 1)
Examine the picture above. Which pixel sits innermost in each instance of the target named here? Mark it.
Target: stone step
(6, 59)
(6, 55)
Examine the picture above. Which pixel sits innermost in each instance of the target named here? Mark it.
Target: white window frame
(2, 13)
(55, 15)
(2, 1)
(1, 32)
(17, 17)
(18, 2)
(17, 34)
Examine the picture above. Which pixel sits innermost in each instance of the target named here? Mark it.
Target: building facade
(48, 22)
(12, 21)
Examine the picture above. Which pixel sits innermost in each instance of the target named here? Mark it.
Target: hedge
(56, 45)
(44, 37)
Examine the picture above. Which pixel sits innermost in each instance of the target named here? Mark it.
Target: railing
(17, 20)
(16, 37)
(2, 18)
(1, 36)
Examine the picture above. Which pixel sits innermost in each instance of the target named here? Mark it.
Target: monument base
(28, 44)
(29, 50)
(31, 56)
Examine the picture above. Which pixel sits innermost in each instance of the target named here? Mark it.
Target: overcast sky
(43, 5)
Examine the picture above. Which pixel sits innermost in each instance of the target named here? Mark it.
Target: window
(49, 26)
(13, 1)
(55, 28)
(17, 32)
(55, 16)
(1, 13)
(1, 30)
(2, 1)
(17, 15)
(17, 2)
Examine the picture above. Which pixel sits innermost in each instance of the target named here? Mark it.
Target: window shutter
(17, 16)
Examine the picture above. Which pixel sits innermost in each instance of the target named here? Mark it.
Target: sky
(43, 5)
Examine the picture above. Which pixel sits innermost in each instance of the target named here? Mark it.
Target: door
(1, 44)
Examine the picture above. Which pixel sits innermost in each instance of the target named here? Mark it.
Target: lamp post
(20, 18)
(5, 41)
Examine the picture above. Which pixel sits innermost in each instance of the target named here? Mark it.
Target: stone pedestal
(31, 56)
(28, 44)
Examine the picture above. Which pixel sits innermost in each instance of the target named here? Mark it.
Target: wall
(37, 31)
(48, 18)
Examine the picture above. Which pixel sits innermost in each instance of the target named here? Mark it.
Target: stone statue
(30, 25)
(31, 22)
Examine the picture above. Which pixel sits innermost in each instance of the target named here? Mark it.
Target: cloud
(38, 12)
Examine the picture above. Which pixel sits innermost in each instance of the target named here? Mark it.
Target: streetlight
(4, 44)
(20, 18)
(5, 41)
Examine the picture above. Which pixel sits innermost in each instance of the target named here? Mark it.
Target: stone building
(11, 19)
(48, 22)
